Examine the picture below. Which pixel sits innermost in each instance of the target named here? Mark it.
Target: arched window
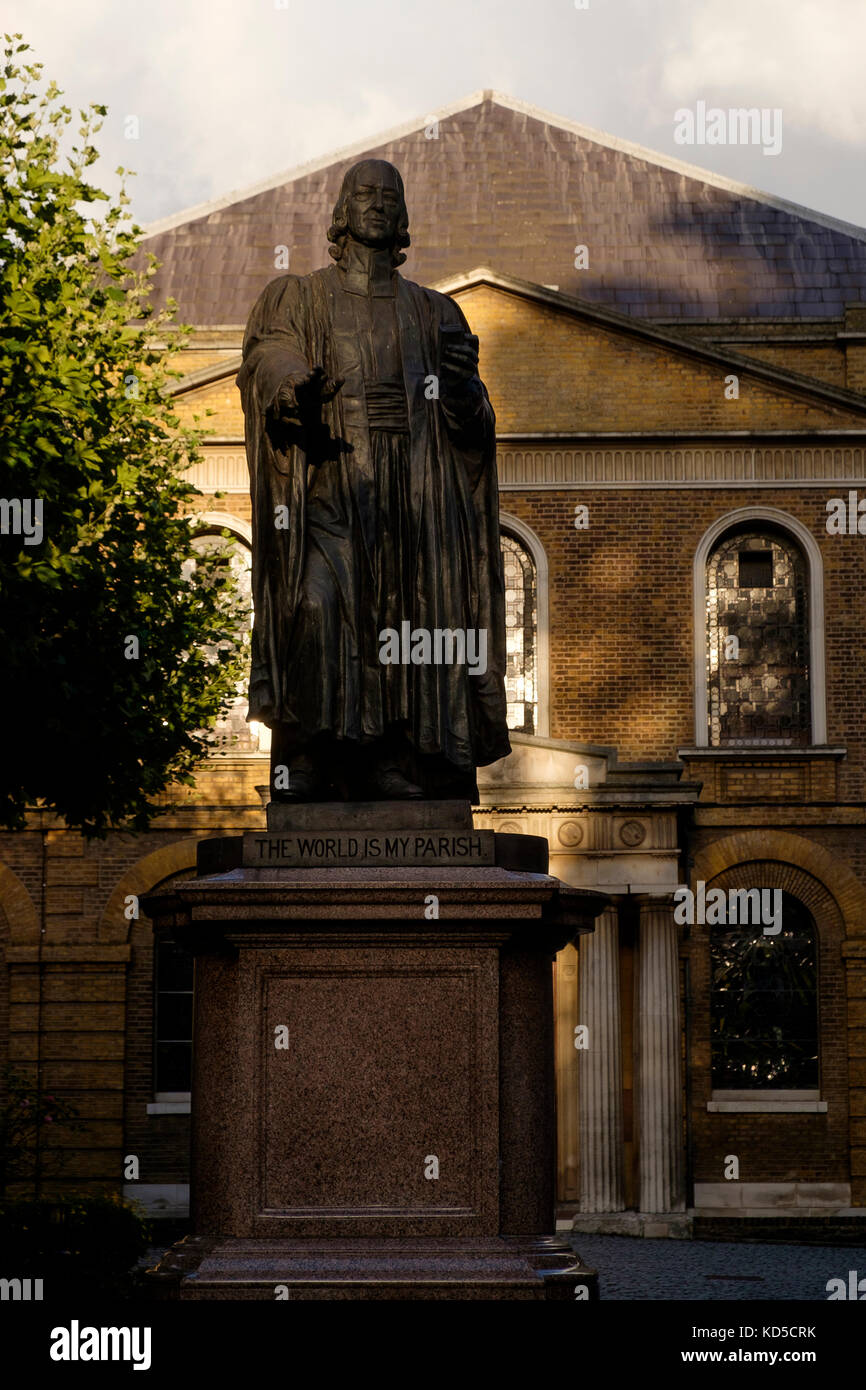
(757, 639)
(764, 1004)
(521, 635)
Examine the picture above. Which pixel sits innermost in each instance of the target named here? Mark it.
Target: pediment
(554, 364)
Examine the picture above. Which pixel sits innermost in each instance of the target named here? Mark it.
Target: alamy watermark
(22, 517)
(21, 1290)
(738, 907)
(737, 126)
(854, 1289)
(441, 646)
(77, 1343)
(846, 516)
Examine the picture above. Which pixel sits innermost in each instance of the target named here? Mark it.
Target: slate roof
(518, 189)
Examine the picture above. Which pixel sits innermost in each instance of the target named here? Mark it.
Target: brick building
(678, 369)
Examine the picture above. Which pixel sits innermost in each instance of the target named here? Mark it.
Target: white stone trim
(733, 752)
(169, 1107)
(205, 376)
(781, 1102)
(767, 1107)
(524, 533)
(732, 1093)
(817, 670)
(559, 464)
(222, 469)
(774, 1198)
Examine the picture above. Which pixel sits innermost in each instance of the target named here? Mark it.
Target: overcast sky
(229, 92)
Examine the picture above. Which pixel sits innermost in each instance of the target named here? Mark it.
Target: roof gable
(519, 189)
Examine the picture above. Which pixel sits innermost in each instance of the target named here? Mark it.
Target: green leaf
(113, 735)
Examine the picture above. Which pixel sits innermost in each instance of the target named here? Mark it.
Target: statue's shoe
(394, 786)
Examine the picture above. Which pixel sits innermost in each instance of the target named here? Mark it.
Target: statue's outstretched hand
(300, 396)
(315, 388)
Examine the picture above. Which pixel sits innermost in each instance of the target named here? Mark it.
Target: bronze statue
(378, 651)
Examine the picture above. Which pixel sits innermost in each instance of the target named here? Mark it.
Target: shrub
(79, 1241)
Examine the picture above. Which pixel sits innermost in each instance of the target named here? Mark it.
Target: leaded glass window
(757, 641)
(521, 636)
(764, 1004)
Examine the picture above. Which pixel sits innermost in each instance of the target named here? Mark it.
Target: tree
(121, 642)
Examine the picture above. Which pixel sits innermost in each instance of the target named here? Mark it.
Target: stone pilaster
(600, 1069)
(660, 1130)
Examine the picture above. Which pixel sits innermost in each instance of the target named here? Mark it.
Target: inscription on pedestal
(368, 849)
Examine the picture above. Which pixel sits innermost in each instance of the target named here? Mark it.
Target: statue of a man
(379, 636)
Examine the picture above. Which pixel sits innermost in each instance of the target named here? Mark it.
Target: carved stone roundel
(632, 833)
(570, 833)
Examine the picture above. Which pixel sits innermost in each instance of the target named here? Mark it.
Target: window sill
(767, 1105)
(738, 751)
(169, 1107)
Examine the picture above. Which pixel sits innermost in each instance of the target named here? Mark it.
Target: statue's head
(371, 209)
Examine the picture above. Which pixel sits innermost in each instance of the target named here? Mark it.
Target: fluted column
(600, 1069)
(660, 1130)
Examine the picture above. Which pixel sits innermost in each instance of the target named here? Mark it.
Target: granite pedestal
(373, 1097)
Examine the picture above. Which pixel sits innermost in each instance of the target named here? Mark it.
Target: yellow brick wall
(570, 375)
(545, 370)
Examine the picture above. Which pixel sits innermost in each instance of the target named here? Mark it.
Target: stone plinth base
(310, 1270)
(373, 1101)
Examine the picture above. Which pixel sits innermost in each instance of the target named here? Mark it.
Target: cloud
(226, 93)
(231, 92)
(805, 56)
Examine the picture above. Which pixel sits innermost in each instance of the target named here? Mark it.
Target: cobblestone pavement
(632, 1267)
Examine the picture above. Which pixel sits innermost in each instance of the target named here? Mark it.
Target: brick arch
(19, 908)
(139, 879)
(792, 853)
(834, 899)
(810, 891)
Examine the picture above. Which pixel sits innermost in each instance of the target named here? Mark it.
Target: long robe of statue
(370, 441)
